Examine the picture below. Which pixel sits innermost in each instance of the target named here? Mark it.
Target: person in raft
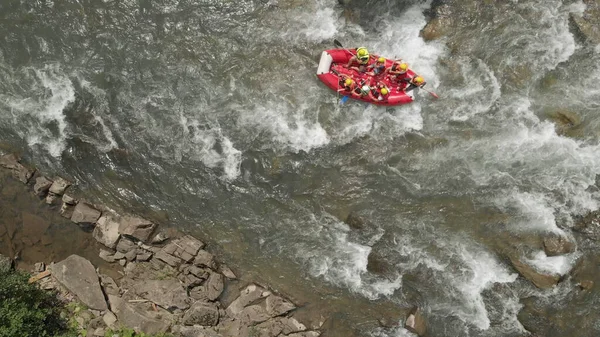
(379, 93)
(399, 72)
(378, 68)
(359, 61)
(415, 82)
(346, 84)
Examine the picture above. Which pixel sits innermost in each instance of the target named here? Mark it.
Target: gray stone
(214, 286)
(169, 259)
(198, 272)
(42, 185)
(9, 161)
(79, 276)
(122, 262)
(59, 186)
(201, 313)
(167, 293)
(125, 245)
(99, 332)
(143, 256)
(130, 255)
(305, 334)
(277, 306)
(279, 325)
(539, 279)
(119, 255)
(51, 198)
(247, 296)
(85, 214)
(253, 314)
(194, 331)
(191, 245)
(205, 258)
(139, 318)
(557, 245)
(66, 210)
(138, 228)
(20, 172)
(107, 231)
(109, 285)
(106, 256)
(226, 271)
(160, 237)
(109, 319)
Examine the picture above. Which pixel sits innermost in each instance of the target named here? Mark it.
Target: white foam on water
(51, 91)
(97, 114)
(560, 264)
(294, 128)
(537, 208)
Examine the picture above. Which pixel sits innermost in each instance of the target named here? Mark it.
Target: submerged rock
(586, 25)
(557, 245)
(415, 323)
(539, 279)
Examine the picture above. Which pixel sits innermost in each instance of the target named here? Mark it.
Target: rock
(539, 279)
(167, 293)
(122, 262)
(119, 255)
(130, 255)
(143, 256)
(109, 319)
(42, 185)
(20, 172)
(201, 313)
(194, 331)
(160, 237)
(415, 323)
(138, 228)
(586, 25)
(169, 259)
(66, 210)
(85, 214)
(106, 256)
(557, 245)
(51, 198)
(79, 276)
(191, 245)
(247, 296)
(277, 306)
(355, 221)
(185, 248)
(198, 272)
(107, 231)
(213, 286)
(586, 284)
(125, 245)
(6, 263)
(99, 332)
(139, 318)
(39, 267)
(59, 186)
(69, 200)
(109, 285)
(253, 314)
(279, 325)
(305, 334)
(205, 258)
(33, 227)
(226, 271)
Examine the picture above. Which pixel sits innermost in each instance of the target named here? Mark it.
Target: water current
(208, 114)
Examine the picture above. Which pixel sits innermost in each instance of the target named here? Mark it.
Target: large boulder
(539, 279)
(167, 293)
(557, 245)
(586, 25)
(107, 231)
(19, 171)
(415, 323)
(59, 186)
(136, 227)
(79, 276)
(140, 317)
(249, 295)
(42, 185)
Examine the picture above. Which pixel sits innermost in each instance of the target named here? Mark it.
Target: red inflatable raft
(332, 67)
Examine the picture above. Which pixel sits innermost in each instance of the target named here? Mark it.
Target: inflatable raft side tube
(324, 63)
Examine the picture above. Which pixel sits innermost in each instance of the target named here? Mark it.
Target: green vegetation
(26, 310)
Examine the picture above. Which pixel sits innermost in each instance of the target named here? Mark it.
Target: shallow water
(187, 112)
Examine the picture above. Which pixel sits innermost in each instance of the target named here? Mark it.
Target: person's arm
(350, 61)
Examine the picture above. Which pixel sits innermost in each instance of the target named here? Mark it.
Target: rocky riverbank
(160, 280)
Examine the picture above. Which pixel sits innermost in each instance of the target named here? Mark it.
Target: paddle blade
(433, 94)
(337, 43)
(344, 99)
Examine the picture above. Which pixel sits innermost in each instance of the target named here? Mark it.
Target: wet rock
(33, 227)
(585, 271)
(194, 331)
(589, 225)
(586, 25)
(79, 276)
(277, 306)
(107, 231)
(415, 323)
(377, 263)
(539, 279)
(136, 227)
(202, 313)
(85, 214)
(355, 221)
(42, 185)
(586, 284)
(59, 186)
(51, 198)
(19, 172)
(167, 293)
(557, 245)
(160, 237)
(226, 271)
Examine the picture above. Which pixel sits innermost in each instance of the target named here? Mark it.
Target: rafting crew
(377, 68)
(399, 74)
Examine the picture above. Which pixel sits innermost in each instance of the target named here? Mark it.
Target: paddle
(432, 93)
(344, 99)
(338, 44)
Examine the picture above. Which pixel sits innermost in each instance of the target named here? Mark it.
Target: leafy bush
(26, 310)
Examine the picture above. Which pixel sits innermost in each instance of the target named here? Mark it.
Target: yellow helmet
(348, 81)
(384, 91)
(403, 67)
(362, 54)
(418, 80)
(381, 60)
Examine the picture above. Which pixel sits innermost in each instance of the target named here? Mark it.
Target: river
(207, 115)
